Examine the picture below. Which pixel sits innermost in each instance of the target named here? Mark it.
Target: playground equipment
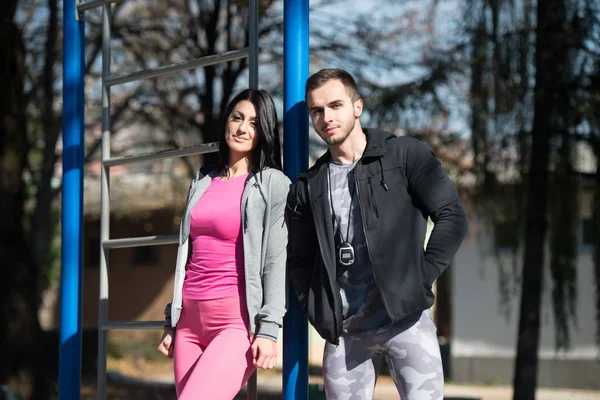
(295, 338)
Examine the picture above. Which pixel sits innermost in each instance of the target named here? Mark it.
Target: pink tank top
(216, 265)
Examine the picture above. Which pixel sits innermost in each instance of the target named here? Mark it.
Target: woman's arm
(273, 277)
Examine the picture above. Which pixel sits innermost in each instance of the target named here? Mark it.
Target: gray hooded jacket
(265, 241)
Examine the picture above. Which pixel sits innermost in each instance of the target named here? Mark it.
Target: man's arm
(302, 242)
(436, 194)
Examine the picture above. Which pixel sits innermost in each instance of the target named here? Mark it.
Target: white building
(485, 318)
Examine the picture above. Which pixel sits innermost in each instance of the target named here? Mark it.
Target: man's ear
(358, 108)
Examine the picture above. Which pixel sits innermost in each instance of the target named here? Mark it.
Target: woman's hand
(264, 353)
(167, 343)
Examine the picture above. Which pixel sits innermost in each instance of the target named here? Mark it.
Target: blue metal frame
(295, 157)
(69, 372)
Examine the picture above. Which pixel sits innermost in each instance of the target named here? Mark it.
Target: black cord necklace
(345, 249)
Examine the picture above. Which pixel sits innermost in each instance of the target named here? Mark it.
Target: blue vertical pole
(69, 371)
(295, 157)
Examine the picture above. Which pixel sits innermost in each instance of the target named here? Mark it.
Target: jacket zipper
(364, 224)
(373, 197)
(336, 295)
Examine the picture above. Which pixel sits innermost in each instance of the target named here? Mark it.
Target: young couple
(349, 233)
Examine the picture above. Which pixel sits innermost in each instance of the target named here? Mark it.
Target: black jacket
(400, 183)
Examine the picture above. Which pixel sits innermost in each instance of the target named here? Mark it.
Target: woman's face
(240, 131)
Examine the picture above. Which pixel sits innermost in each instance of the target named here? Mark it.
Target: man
(357, 221)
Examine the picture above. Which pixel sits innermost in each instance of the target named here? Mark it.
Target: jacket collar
(376, 140)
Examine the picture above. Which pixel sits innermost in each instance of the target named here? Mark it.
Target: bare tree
(532, 71)
(20, 334)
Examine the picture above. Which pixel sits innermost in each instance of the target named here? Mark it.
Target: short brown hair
(323, 76)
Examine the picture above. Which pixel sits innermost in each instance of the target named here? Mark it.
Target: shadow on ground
(461, 398)
(121, 387)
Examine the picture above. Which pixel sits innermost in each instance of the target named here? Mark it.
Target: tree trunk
(20, 333)
(551, 69)
(479, 96)
(42, 223)
(596, 238)
(443, 304)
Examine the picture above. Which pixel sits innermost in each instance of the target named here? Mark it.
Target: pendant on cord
(346, 254)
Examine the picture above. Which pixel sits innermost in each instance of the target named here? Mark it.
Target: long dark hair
(267, 152)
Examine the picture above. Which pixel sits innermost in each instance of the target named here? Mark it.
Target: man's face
(333, 112)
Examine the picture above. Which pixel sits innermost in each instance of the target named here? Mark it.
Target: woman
(229, 291)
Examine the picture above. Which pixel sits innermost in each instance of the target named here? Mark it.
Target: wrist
(269, 330)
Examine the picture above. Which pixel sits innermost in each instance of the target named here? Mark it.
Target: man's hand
(167, 342)
(264, 353)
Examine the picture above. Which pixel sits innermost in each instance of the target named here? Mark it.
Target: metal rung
(171, 69)
(88, 5)
(140, 241)
(132, 325)
(161, 155)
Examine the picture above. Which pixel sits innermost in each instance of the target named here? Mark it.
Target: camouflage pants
(411, 350)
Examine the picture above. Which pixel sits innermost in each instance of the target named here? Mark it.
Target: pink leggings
(212, 355)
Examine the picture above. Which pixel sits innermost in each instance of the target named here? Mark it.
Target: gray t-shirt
(362, 307)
